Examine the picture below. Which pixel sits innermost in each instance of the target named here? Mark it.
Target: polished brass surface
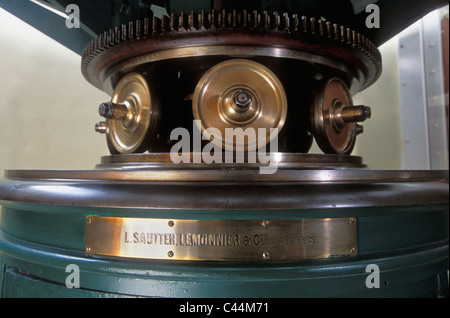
(333, 117)
(131, 116)
(214, 103)
(283, 160)
(221, 240)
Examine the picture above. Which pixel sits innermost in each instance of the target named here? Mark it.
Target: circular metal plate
(330, 138)
(200, 173)
(132, 134)
(283, 160)
(213, 103)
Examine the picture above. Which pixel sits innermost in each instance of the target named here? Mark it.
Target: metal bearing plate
(261, 103)
(132, 133)
(330, 96)
(284, 160)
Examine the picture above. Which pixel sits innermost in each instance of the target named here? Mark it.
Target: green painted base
(41, 269)
(408, 244)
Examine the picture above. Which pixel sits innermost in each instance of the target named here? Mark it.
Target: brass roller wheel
(333, 117)
(242, 94)
(132, 115)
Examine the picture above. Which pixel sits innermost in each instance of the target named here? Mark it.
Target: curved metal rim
(227, 174)
(231, 51)
(138, 191)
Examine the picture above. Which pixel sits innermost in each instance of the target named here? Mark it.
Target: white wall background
(380, 145)
(47, 109)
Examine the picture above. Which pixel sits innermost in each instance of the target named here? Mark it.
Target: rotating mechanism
(334, 117)
(240, 94)
(131, 116)
(228, 69)
(228, 91)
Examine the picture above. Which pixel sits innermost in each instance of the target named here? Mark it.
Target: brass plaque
(221, 240)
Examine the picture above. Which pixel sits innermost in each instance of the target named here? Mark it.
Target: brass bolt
(356, 113)
(170, 254)
(350, 114)
(266, 255)
(171, 223)
(359, 129)
(101, 127)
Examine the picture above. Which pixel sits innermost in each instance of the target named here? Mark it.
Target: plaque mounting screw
(89, 220)
(265, 223)
(353, 250)
(170, 253)
(266, 255)
(171, 223)
(352, 220)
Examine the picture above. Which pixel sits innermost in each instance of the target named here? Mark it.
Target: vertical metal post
(435, 97)
(422, 96)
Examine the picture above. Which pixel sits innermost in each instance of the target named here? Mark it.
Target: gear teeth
(144, 27)
(275, 21)
(130, 31)
(202, 18)
(211, 20)
(329, 29)
(172, 23)
(192, 22)
(285, 22)
(164, 24)
(295, 23)
(138, 29)
(314, 27)
(232, 20)
(182, 22)
(321, 27)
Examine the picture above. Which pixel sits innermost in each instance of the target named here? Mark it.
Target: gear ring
(230, 33)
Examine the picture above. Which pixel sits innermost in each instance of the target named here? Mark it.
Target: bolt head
(242, 98)
(105, 109)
